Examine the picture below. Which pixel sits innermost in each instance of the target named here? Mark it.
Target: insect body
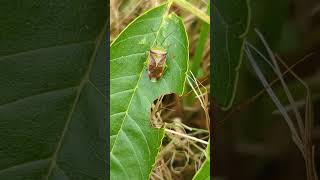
(156, 63)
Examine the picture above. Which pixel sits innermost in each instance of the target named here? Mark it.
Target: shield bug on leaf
(157, 61)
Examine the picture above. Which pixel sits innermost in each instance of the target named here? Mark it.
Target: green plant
(135, 144)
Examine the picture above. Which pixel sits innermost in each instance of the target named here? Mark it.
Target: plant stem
(189, 7)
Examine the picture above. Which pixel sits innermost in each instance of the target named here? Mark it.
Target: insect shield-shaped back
(157, 63)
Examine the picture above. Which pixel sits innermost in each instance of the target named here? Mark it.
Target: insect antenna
(166, 38)
(154, 33)
(155, 36)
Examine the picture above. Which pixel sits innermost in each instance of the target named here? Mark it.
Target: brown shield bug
(157, 61)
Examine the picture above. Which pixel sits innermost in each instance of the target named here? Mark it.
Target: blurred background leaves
(252, 142)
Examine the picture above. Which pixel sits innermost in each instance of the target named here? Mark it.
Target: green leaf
(134, 142)
(204, 171)
(53, 104)
(230, 24)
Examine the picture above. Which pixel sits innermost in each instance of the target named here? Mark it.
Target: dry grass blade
(276, 69)
(303, 141)
(309, 147)
(181, 148)
(275, 99)
(202, 96)
(244, 105)
(185, 145)
(186, 136)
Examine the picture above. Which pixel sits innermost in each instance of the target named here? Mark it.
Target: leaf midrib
(84, 80)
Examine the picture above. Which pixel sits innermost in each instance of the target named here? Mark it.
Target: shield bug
(157, 61)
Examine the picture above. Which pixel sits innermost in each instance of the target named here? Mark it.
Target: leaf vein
(34, 95)
(115, 59)
(116, 78)
(140, 130)
(125, 91)
(70, 115)
(131, 37)
(119, 163)
(134, 152)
